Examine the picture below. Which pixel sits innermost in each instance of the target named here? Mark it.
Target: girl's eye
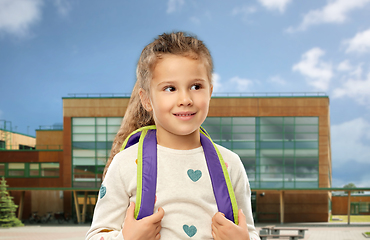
(169, 89)
(196, 87)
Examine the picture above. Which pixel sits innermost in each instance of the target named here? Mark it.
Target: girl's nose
(185, 99)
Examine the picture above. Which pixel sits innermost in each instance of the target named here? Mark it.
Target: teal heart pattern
(190, 231)
(194, 175)
(103, 191)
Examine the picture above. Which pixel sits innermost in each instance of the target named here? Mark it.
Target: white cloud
(195, 20)
(242, 84)
(355, 88)
(344, 66)
(63, 7)
(244, 11)
(349, 138)
(359, 43)
(279, 5)
(278, 80)
(335, 11)
(216, 79)
(174, 5)
(317, 72)
(16, 17)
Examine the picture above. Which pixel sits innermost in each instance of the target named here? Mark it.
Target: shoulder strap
(221, 183)
(147, 173)
(146, 169)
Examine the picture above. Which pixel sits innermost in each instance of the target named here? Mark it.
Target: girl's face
(180, 92)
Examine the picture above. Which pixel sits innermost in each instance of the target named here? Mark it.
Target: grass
(354, 218)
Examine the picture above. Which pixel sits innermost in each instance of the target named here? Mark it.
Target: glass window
(306, 152)
(212, 121)
(271, 145)
(50, 169)
(244, 120)
(226, 120)
(113, 129)
(271, 128)
(83, 129)
(83, 121)
(289, 129)
(272, 153)
(307, 120)
(243, 145)
(83, 153)
(212, 128)
(83, 137)
(83, 161)
(271, 137)
(307, 129)
(244, 129)
(271, 120)
(245, 152)
(307, 144)
(83, 145)
(244, 136)
(101, 137)
(114, 121)
(289, 120)
(34, 169)
(101, 121)
(101, 129)
(307, 136)
(16, 169)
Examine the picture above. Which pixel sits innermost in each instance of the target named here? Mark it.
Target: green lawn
(354, 218)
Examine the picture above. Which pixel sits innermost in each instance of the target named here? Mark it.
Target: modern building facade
(283, 142)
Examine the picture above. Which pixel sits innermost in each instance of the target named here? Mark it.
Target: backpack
(147, 173)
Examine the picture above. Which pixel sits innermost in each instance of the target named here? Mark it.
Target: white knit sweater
(186, 197)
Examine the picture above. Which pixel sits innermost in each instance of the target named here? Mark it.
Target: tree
(7, 208)
(352, 185)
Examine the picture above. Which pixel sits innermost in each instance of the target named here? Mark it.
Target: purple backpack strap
(217, 176)
(147, 173)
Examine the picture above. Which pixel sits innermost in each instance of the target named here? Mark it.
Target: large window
(92, 140)
(26, 170)
(277, 152)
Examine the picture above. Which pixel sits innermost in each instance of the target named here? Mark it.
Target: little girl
(172, 95)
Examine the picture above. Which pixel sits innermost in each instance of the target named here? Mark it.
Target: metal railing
(215, 94)
(51, 127)
(269, 94)
(97, 95)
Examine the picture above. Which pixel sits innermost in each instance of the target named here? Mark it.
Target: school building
(283, 141)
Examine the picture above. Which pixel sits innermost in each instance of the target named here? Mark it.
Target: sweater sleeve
(242, 191)
(110, 210)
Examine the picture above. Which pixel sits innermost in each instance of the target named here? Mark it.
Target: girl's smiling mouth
(184, 115)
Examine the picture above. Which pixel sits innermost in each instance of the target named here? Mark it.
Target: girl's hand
(224, 229)
(147, 228)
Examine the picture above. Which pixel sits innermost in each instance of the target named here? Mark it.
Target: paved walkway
(77, 232)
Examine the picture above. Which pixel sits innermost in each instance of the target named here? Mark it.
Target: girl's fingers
(214, 229)
(219, 219)
(157, 217)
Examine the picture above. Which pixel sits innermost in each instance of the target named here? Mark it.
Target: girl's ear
(145, 101)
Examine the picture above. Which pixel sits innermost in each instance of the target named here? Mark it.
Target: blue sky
(50, 48)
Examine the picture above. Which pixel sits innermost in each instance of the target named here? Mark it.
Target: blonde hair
(177, 43)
